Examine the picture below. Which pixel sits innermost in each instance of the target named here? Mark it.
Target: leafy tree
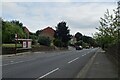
(17, 23)
(38, 32)
(108, 29)
(34, 38)
(9, 30)
(62, 33)
(89, 40)
(78, 36)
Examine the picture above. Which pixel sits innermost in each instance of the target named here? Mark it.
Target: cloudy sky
(81, 16)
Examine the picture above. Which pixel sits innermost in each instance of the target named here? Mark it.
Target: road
(65, 64)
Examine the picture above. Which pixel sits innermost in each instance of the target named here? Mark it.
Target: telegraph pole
(16, 37)
(118, 53)
(118, 24)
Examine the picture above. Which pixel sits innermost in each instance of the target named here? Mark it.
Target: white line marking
(13, 63)
(47, 73)
(17, 62)
(73, 60)
(83, 54)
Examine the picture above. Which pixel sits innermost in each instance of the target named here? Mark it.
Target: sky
(80, 16)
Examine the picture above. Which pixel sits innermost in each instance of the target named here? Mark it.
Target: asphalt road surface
(65, 64)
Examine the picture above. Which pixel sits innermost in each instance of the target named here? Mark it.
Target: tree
(9, 30)
(89, 40)
(62, 33)
(57, 42)
(78, 36)
(34, 38)
(17, 23)
(108, 32)
(38, 32)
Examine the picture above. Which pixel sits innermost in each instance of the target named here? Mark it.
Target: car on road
(78, 47)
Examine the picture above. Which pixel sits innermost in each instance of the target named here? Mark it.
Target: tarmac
(99, 66)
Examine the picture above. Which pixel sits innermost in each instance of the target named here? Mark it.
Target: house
(27, 32)
(48, 32)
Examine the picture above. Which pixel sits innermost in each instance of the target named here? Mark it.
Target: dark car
(78, 47)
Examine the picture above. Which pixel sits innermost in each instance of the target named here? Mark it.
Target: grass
(11, 45)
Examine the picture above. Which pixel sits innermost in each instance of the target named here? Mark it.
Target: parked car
(78, 47)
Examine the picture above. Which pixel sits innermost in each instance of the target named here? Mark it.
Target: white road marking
(17, 62)
(83, 54)
(73, 60)
(47, 73)
(12, 63)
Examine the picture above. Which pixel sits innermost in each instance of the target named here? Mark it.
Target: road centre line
(47, 73)
(84, 54)
(12, 63)
(73, 60)
(16, 62)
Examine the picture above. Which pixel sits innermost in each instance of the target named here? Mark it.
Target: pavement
(100, 66)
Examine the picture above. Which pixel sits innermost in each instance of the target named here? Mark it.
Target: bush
(44, 41)
(78, 43)
(58, 43)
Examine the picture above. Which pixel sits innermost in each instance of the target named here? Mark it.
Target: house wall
(48, 32)
(27, 32)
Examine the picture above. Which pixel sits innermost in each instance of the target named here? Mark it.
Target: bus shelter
(26, 44)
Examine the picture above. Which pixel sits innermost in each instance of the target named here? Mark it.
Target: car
(78, 47)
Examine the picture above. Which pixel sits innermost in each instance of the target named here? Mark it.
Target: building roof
(50, 28)
(25, 28)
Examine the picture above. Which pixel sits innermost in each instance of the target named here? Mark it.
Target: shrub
(44, 41)
(57, 42)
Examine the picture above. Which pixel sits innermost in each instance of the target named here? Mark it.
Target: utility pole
(16, 37)
(118, 23)
(119, 13)
(118, 53)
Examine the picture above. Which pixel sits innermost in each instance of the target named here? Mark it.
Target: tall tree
(62, 33)
(9, 30)
(17, 23)
(38, 32)
(78, 36)
(108, 29)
